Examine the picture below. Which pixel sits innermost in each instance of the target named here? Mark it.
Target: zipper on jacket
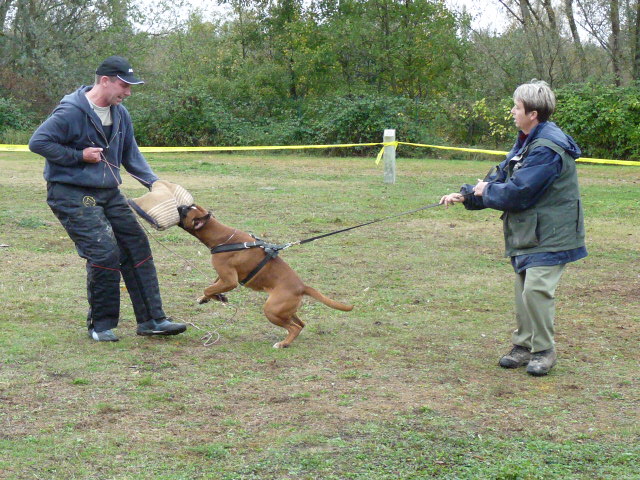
(105, 150)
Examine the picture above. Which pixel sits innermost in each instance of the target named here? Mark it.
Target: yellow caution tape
(230, 149)
(385, 144)
(476, 150)
(602, 161)
(25, 148)
(13, 148)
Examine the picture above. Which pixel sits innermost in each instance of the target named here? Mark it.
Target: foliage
(399, 48)
(14, 115)
(195, 117)
(59, 43)
(480, 122)
(190, 117)
(362, 119)
(494, 65)
(604, 120)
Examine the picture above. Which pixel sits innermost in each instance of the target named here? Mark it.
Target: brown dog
(278, 279)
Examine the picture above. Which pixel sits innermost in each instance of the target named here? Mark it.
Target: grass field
(406, 386)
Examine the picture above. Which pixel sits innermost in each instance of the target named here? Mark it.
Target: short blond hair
(98, 77)
(536, 95)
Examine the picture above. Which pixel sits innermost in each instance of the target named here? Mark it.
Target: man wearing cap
(86, 140)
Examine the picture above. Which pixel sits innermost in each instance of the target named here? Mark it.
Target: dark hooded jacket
(74, 126)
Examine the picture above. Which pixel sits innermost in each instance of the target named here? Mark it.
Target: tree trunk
(568, 10)
(615, 41)
(554, 31)
(243, 43)
(4, 8)
(24, 29)
(636, 44)
(293, 81)
(532, 35)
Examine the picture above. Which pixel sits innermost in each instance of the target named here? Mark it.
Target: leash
(317, 237)
(111, 166)
(389, 217)
(272, 250)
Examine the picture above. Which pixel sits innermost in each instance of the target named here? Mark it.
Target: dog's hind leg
(297, 321)
(281, 312)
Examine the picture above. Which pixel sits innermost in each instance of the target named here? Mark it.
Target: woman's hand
(451, 199)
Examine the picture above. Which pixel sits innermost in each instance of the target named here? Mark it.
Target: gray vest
(556, 222)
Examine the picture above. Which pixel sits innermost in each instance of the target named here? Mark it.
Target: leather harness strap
(234, 247)
(271, 251)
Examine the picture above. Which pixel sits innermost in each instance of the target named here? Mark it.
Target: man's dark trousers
(107, 234)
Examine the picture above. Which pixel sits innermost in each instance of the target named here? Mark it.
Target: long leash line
(208, 335)
(389, 217)
(272, 250)
(207, 338)
(317, 237)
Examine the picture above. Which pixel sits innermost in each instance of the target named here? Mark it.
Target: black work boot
(517, 357)
(542, 362)
(164, 326)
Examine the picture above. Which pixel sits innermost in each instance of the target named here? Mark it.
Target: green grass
(406, 386)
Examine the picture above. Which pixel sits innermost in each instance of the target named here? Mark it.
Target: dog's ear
(200, 222)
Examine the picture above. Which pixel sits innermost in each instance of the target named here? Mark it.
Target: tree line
(329, 71)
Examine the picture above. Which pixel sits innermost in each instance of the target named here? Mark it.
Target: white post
(389, 156)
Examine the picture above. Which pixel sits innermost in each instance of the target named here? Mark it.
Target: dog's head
(193, 217)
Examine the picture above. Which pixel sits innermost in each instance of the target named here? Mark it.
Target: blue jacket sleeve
(496, 174)
(132, 158)
(471, 202)
(527, 184)
(52, 140)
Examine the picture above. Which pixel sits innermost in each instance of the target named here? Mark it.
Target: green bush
(195, 117)
(189, 118)
(363, 119)
(14, 116)
(479, 122)
(604, 120)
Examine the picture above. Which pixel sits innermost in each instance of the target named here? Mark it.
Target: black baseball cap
(116, 66)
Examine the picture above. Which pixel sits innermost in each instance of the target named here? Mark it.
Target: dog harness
(271, 250)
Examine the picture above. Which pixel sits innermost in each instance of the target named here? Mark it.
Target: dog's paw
(203, 299)
(221, 297)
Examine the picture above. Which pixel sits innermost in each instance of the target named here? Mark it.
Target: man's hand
(91, 154)
(451, 199)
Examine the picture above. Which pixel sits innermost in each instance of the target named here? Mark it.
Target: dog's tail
(312, 292)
